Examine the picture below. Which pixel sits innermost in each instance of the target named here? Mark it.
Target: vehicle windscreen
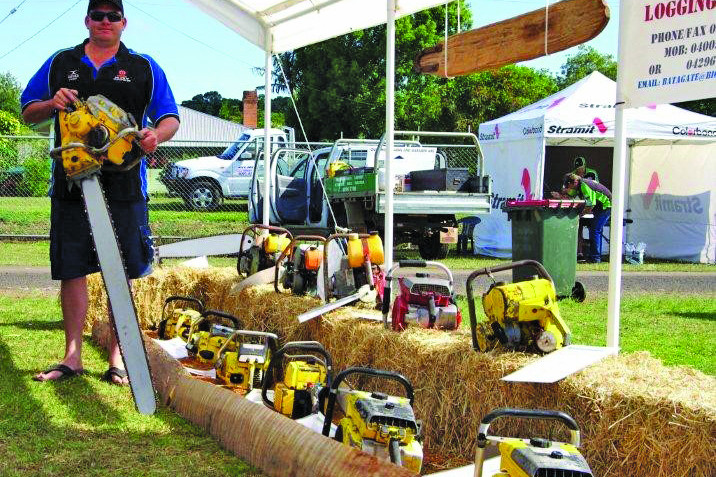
(231, 151)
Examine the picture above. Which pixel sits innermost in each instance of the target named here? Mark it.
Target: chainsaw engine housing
(541, 457)
(525, 315)
(426, 301)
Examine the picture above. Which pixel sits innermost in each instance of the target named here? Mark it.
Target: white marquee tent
(671, 171)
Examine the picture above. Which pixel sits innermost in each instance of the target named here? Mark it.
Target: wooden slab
(521, 38)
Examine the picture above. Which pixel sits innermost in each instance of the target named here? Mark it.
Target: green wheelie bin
(546, 231)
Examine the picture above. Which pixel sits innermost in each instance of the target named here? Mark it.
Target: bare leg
(73, 298)
(115, 355)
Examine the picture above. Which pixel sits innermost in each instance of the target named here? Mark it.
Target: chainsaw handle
(220, 314)
(311, 346)
(376, 373)
(487, 271)
(542, 414)
(191, 299)
(254, 227)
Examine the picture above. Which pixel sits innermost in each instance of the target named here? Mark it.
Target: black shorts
(72, 252)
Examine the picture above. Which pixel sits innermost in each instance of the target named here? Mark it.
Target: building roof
(201, 129)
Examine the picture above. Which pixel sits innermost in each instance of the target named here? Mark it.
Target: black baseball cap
(94, 3)
(579, 161)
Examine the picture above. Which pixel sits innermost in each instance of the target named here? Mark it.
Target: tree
(231, 110)
(9, 94)
(339, 84)
(584, 62)
(209, 103)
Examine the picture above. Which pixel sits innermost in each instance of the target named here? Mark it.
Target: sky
(197, 52)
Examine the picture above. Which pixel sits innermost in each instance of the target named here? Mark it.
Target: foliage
(701, 106)
(585, 61)
(231, 110)
(9, 94)
(209, 103)
(339, 84)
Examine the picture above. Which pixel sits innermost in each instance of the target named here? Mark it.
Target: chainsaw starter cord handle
(376, 373)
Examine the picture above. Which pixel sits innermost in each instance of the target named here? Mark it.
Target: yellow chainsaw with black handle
(300, 380)
(181, 320)
(97, 134)
(207, 336)
(377, 423)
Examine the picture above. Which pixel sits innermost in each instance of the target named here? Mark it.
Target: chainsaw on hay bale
(424, 300)
(520, 316)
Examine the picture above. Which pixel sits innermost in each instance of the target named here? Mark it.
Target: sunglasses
(98, 16)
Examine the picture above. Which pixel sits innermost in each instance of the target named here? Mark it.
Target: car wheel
(203, 196)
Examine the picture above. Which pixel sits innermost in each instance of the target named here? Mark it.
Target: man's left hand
(149, 141)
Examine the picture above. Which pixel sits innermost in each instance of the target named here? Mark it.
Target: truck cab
(204, 182)
(344, 186)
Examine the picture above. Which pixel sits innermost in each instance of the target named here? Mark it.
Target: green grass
(168, 216)
(679, 330)
(85, 425)
(36, 253)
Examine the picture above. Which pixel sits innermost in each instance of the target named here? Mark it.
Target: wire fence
(195, 188)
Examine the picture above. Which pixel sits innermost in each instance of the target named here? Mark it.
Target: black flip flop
(65, 373)
(114, 371)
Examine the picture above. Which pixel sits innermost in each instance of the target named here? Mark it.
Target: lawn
(680, 330)
(36, 253)
(168, 216)
(85, 426)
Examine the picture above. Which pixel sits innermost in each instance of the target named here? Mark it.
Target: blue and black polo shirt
(133, 81)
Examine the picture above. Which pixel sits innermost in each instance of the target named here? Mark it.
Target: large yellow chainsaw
(95, 133)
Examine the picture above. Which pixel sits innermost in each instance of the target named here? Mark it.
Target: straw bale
(638, 417)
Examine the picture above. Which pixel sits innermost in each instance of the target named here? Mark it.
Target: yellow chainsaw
(522, 315)
(207, 336)
(96, 132)
(304, 376)
(535, 456)
(376, 423)
(179, 323)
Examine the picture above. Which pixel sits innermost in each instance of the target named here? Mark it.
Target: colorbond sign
(668, 50)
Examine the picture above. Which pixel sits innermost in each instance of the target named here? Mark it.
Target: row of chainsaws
(298, 381)
(345, 267)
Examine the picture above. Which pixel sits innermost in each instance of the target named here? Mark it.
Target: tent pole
(616, 230)
(267, 127)
(389, 132)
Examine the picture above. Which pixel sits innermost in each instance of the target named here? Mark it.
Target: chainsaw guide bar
(568, 23)
(126, 325)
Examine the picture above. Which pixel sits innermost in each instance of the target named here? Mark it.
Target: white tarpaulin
(671, 206)
(582, 115)
(297, 23)
(670, 50)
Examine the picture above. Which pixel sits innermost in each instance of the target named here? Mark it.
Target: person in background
(133, 81)
(581, 169)
(598, 199)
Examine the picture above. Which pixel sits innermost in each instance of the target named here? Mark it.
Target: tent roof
(585, 110)
(297, 23)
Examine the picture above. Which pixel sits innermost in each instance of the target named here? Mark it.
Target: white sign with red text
(669, 49)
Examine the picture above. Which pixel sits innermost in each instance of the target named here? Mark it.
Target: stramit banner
(669, 48)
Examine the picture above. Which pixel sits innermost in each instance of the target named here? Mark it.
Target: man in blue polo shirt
(133, 81)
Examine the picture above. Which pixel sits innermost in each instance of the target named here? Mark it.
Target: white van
(204, 182)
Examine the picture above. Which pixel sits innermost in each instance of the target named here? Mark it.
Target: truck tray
(448, 179)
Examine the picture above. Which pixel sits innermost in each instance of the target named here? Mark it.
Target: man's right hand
(64, 97)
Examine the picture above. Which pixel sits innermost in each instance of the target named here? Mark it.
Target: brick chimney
(251, 104)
